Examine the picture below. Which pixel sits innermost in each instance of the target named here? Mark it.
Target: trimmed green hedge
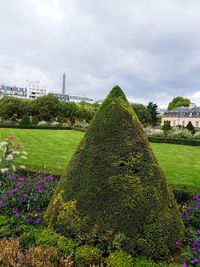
(36, 127)
(188, 142)
(114, 192)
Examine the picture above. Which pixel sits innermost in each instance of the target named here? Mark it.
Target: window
(183, 123)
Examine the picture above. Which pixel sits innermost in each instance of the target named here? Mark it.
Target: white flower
(14, 168)
(16, 153)
(24, 157)
(9, 157)
(22, 167)
(25, 153)
(4, 170)
(3, 144)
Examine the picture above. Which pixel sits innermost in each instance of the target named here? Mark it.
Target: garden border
(188, 142)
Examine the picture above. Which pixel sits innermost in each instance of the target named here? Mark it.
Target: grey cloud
(150, 48)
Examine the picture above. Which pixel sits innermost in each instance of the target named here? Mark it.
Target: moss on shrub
(114, 187)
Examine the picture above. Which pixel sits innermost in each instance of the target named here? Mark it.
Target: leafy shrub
(156, 133)
(166, 127)
(196, 135)
(25, 121)
(55, 124)
(119, 259)
(120, 179)
(180, 133)
(87, 255)
(51, 238)
(190, 127)
(43, 123)
(11, 151)
(149, 263)
(34, 121)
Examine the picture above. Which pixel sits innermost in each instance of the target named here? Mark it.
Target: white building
(182, 116)
(13, 91)
(35, 89)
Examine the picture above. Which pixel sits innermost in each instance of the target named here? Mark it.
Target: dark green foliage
(153, 110)
(119, 259)
(166, 127)
(179, 101)
(188, 142)
(143, 113)
(12, 108)
(190, 127)
(34, 121)
(25, 121)
(87, 256)
(45, 107)
(114, 189)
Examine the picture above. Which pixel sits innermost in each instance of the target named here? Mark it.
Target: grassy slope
(54, 148)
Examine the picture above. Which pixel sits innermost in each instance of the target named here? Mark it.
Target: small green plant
(87, 255)
(25, 121)
(119, 259)
(166, 127)
(11, 151)
(34, 121)
(48, 237)
(190, 127)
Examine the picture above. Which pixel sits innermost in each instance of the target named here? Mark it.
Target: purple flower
(184, 265)
(178, 243)
(40, 191)
(2, 203)
(198, 232)
(17, 213)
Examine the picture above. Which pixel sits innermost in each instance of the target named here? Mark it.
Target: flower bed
(23, 200)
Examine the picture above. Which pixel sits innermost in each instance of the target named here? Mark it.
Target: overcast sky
(151, 49)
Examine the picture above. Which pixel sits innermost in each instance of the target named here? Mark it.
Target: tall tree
(45, 107)
(178, 101)
(153, 110)
(143, 113)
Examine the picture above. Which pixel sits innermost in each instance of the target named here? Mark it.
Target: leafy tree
(12, 106)
(114, 191)
(143, 113)
(45, 107)
(190, 127)
(178, 101)
(153, 110)
(25, 121)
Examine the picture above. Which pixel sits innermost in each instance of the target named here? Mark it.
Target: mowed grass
(48, 150)
(51, 150)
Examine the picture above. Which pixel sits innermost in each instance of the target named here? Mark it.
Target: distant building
(35, 89)
(182, 115)
(61, 97)
(14, 91)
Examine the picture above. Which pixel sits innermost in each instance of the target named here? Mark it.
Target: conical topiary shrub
(114, 192)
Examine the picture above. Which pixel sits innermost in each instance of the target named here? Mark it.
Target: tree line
(49, 108)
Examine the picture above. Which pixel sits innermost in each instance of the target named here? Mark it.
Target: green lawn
(54, 148)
